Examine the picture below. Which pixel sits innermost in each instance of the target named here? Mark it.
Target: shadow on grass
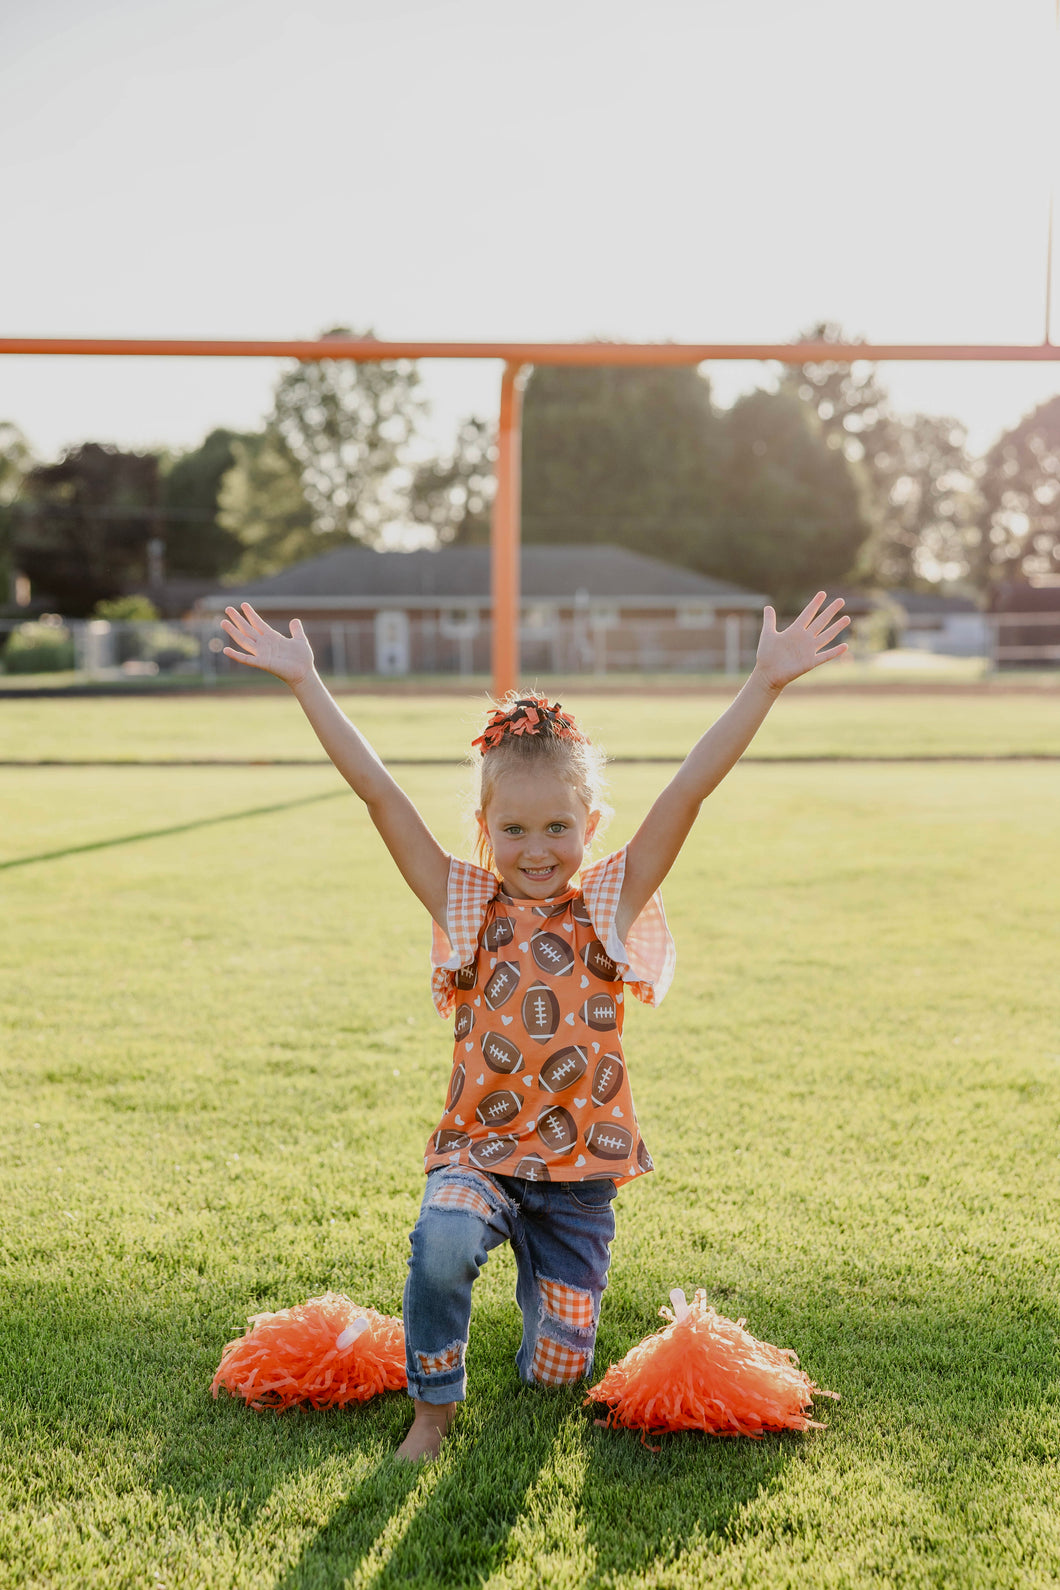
(174, 828)
(526, 1473)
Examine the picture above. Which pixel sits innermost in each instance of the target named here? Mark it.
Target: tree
(262, 505)
(453, 494)
(641, 458)
(923, 504)
(347, 426)
(16, 460)
(849, 400)
(196, 543)
(622, 455)
(793, 519)
(1019, 533)
(84, 524)
(914, 470)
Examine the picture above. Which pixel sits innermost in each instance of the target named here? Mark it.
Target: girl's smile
(539, 830)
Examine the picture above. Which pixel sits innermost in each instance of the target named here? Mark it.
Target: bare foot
(429, 1426)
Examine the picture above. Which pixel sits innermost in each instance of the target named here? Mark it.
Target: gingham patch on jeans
(569, 1304)
(556, 1365)
(438, 1363)
(466, 1198)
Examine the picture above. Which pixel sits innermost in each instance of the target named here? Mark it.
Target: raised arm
(421, 860)
(782, 656)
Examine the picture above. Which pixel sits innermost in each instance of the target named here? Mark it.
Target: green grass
(810, 724)
(217, 1080)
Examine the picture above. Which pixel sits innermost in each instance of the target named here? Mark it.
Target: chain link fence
(394, 643)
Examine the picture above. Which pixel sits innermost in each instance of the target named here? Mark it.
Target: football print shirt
(539, 1087)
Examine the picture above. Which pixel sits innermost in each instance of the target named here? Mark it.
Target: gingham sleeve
(647, 959)
(469, 892)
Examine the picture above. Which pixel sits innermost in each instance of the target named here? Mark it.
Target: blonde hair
(553, 747)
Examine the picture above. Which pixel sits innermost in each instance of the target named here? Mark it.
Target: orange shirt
(539, 1087)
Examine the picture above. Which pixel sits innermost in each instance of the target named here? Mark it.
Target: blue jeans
(561, 1234)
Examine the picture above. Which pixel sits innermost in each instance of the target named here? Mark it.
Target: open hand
(290, 658)
(785, 654)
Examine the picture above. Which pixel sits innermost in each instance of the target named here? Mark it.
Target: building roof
(918, 604)
(462, 574)
(1023, 596)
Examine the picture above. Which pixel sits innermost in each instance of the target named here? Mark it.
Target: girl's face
(538, 828)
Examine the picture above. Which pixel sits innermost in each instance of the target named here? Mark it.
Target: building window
(695, 615)
(539, 619)
(604, 615)
(458, 623)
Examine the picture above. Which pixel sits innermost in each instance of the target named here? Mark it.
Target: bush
(126, 609)
(165, 645)
(45, 647)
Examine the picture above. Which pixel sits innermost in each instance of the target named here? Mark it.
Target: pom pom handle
(680, 1304)
(350, 1334)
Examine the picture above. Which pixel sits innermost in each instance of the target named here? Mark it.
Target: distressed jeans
(561, 1235)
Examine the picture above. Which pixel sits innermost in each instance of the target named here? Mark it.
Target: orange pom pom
(705, 1372)
(327, 1352)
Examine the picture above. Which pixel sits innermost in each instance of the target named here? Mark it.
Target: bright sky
(700, 170)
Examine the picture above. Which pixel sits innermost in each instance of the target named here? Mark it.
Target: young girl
(533, 953)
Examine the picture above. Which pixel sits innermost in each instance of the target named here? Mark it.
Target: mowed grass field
(813, 723)
(220, 1063)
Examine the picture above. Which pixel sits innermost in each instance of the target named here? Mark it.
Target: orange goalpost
(516, 357)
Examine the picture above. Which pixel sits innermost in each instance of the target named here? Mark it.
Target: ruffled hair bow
(527, 715)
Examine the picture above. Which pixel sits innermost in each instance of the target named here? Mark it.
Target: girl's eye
(512, 830)
(557, 828)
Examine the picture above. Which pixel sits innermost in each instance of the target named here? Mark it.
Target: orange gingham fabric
(470, 891)
(647, 959)
(462, 1198)
(438, 1363)
(556, 1365)
(645, 962)
(569, 1304)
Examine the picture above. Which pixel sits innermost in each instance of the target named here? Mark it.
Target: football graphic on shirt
(580, 911)
(552, 953)
(465, 1020)
(494, 1151)
(501, 1054)
(599, 1013)
(446, 1141)
(549, 908)
(501, 931)
(608, 1140)
(563, 1069)
(532, 1168)
(497, 1109)
(644, 1159)
(465, 977)
(501, 985)
(540, 1012)
(599, 962)
(607, 1078)
(456, 1086)
(556, 1129)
